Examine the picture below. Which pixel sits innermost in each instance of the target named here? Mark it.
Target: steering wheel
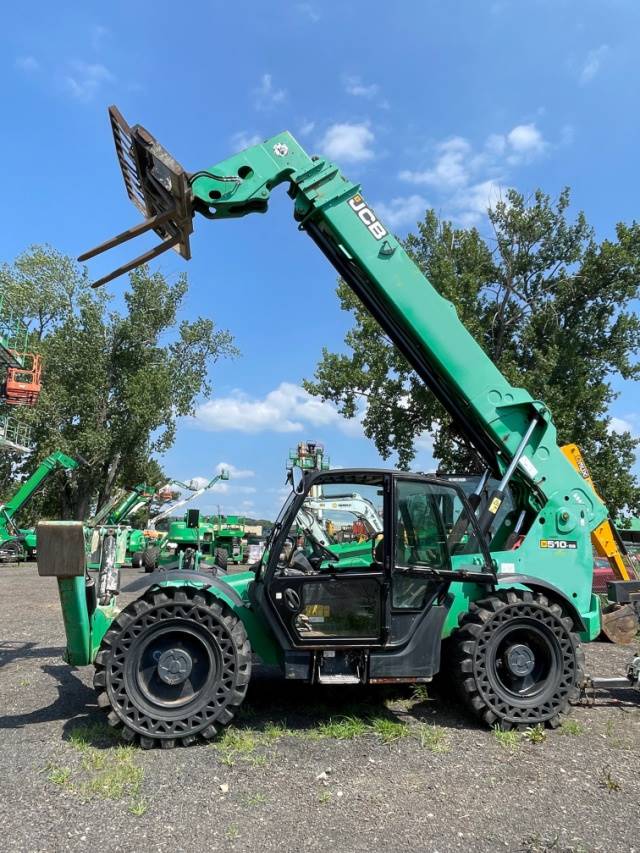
(327, 553)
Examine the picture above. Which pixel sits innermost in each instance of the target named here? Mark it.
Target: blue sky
(426, 103)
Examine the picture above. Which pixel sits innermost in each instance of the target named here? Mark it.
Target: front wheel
(517, 662)
(174, 665)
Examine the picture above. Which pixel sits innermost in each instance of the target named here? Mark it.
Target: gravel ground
(401, 772)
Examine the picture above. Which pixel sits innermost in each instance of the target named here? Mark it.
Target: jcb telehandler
(175, 663)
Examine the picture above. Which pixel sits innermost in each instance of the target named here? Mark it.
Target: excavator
(17, 543)
(505, 624)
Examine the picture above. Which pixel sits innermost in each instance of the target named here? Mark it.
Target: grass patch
(507, 740)
(94, 759)
(324, 796)
(433, 738)
(88, 735)
(58, 775)
(389, 730)
(571, 727)
(535, 734)
(243, 741)
(538, 844)
(420, 694)
(232, 832)
(138, 807)
(257, 799)
(120, 776)
(274, 731)
(608, 782)
(342, 728)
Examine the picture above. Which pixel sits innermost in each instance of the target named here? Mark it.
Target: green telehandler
(17, 543)
(111, 522)
(175, 664)
(188, 542)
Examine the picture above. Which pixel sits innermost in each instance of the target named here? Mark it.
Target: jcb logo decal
(367, 216)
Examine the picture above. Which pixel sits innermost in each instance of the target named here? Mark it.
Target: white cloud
(288, 408)
(355, 86)
(627, 424)
(28, 64)
(403, 210)
(85, 79)
(307, 127)
(470, 180)
(593, 63)
(267, 94)
(348, 143)
(196, 482)
(308, 11)
(450, 169)
(525, 141)
(243, 139)
(235, 473)
(472, 202)
(98, 36)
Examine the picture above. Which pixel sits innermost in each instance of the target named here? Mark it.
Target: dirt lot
(321, 769)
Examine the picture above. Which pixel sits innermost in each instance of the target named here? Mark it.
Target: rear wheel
(174, 665)
(517, 661)
(221, 559)
(150, 557)
(136, 560)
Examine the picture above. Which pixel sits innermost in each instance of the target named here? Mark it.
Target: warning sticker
(494, 506)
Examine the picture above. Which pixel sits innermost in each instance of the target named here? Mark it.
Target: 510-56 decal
(559, 544)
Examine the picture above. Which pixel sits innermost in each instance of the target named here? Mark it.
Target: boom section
(502, 422)
(48, 466)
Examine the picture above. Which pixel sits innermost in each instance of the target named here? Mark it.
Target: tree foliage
(114, 381)
(549, 304)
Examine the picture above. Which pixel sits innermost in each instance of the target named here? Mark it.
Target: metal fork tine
(129, 234)
(142, 259)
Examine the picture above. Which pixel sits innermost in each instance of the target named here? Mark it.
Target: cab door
(341, 599)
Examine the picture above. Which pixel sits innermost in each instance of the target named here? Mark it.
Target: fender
(210, 581)
(543, 586)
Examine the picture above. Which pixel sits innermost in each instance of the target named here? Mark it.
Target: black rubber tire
(221, 559)
(150, 557)
(495, 630)
(166, 622)
(136, 560)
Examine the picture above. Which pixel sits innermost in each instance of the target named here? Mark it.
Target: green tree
(114, 382)
(549, 304)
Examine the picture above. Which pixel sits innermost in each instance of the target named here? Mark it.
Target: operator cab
(329, 581)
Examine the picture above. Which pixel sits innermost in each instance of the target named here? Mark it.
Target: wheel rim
(523, 661)
(172, 669)
(174, 666)
(524, 664)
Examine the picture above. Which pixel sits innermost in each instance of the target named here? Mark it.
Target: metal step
(338, 679)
